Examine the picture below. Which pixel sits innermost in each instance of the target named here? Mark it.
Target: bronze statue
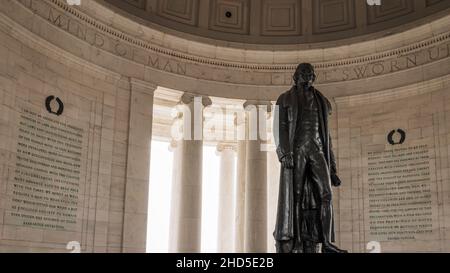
(308, 168)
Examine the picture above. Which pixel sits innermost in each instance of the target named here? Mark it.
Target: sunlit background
(158, 226)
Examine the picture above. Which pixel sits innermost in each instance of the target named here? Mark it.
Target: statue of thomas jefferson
(308, 168)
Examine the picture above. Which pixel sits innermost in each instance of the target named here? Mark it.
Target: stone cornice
(56, 30)
(185, 57)
(143, 86)
(403, 92)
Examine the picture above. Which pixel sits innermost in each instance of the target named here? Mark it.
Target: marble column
(255, 239)
(239, 214)
(189, 207)
(273, 183)
(138, 166)
(174, 147)
(225, 232)
(273, 179)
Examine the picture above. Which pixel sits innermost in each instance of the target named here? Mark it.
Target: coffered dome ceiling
(283, 21)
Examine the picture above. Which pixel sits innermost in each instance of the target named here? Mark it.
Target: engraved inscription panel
(47, 184)
(400, 194)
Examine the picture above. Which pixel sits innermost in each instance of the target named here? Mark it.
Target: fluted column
(225, 222)
(174, 147)
(273, 178)
(188, 235)
(273, 182)
(240, 186)
(256, 179)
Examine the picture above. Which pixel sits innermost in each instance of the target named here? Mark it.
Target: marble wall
(101, 107)
(104, 68)
(397, 195)
(97, 102)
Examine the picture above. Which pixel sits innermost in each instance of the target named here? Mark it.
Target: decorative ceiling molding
(26, 26)
(182, 11)
(333, 16)
(433, 2)
(146, 56)
(284, 22)
(230, 16)
(140, 4)
(392, 9)
(107, 30)
(281, 18)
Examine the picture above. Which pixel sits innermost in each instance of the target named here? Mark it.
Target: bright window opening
(158, 221)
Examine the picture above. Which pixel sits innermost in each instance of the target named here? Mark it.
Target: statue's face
(305, 75)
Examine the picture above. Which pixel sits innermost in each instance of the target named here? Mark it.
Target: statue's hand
(335, 181)
(287, 161)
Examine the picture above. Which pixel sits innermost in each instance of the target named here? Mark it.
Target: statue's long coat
(285, 122)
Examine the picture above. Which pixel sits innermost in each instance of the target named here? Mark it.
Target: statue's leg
(310, 247)
(284, 246)
(320, 175)
(299, 180)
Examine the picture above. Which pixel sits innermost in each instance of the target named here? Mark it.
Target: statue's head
(304, 75)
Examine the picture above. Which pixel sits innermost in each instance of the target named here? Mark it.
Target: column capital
(187, 98)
